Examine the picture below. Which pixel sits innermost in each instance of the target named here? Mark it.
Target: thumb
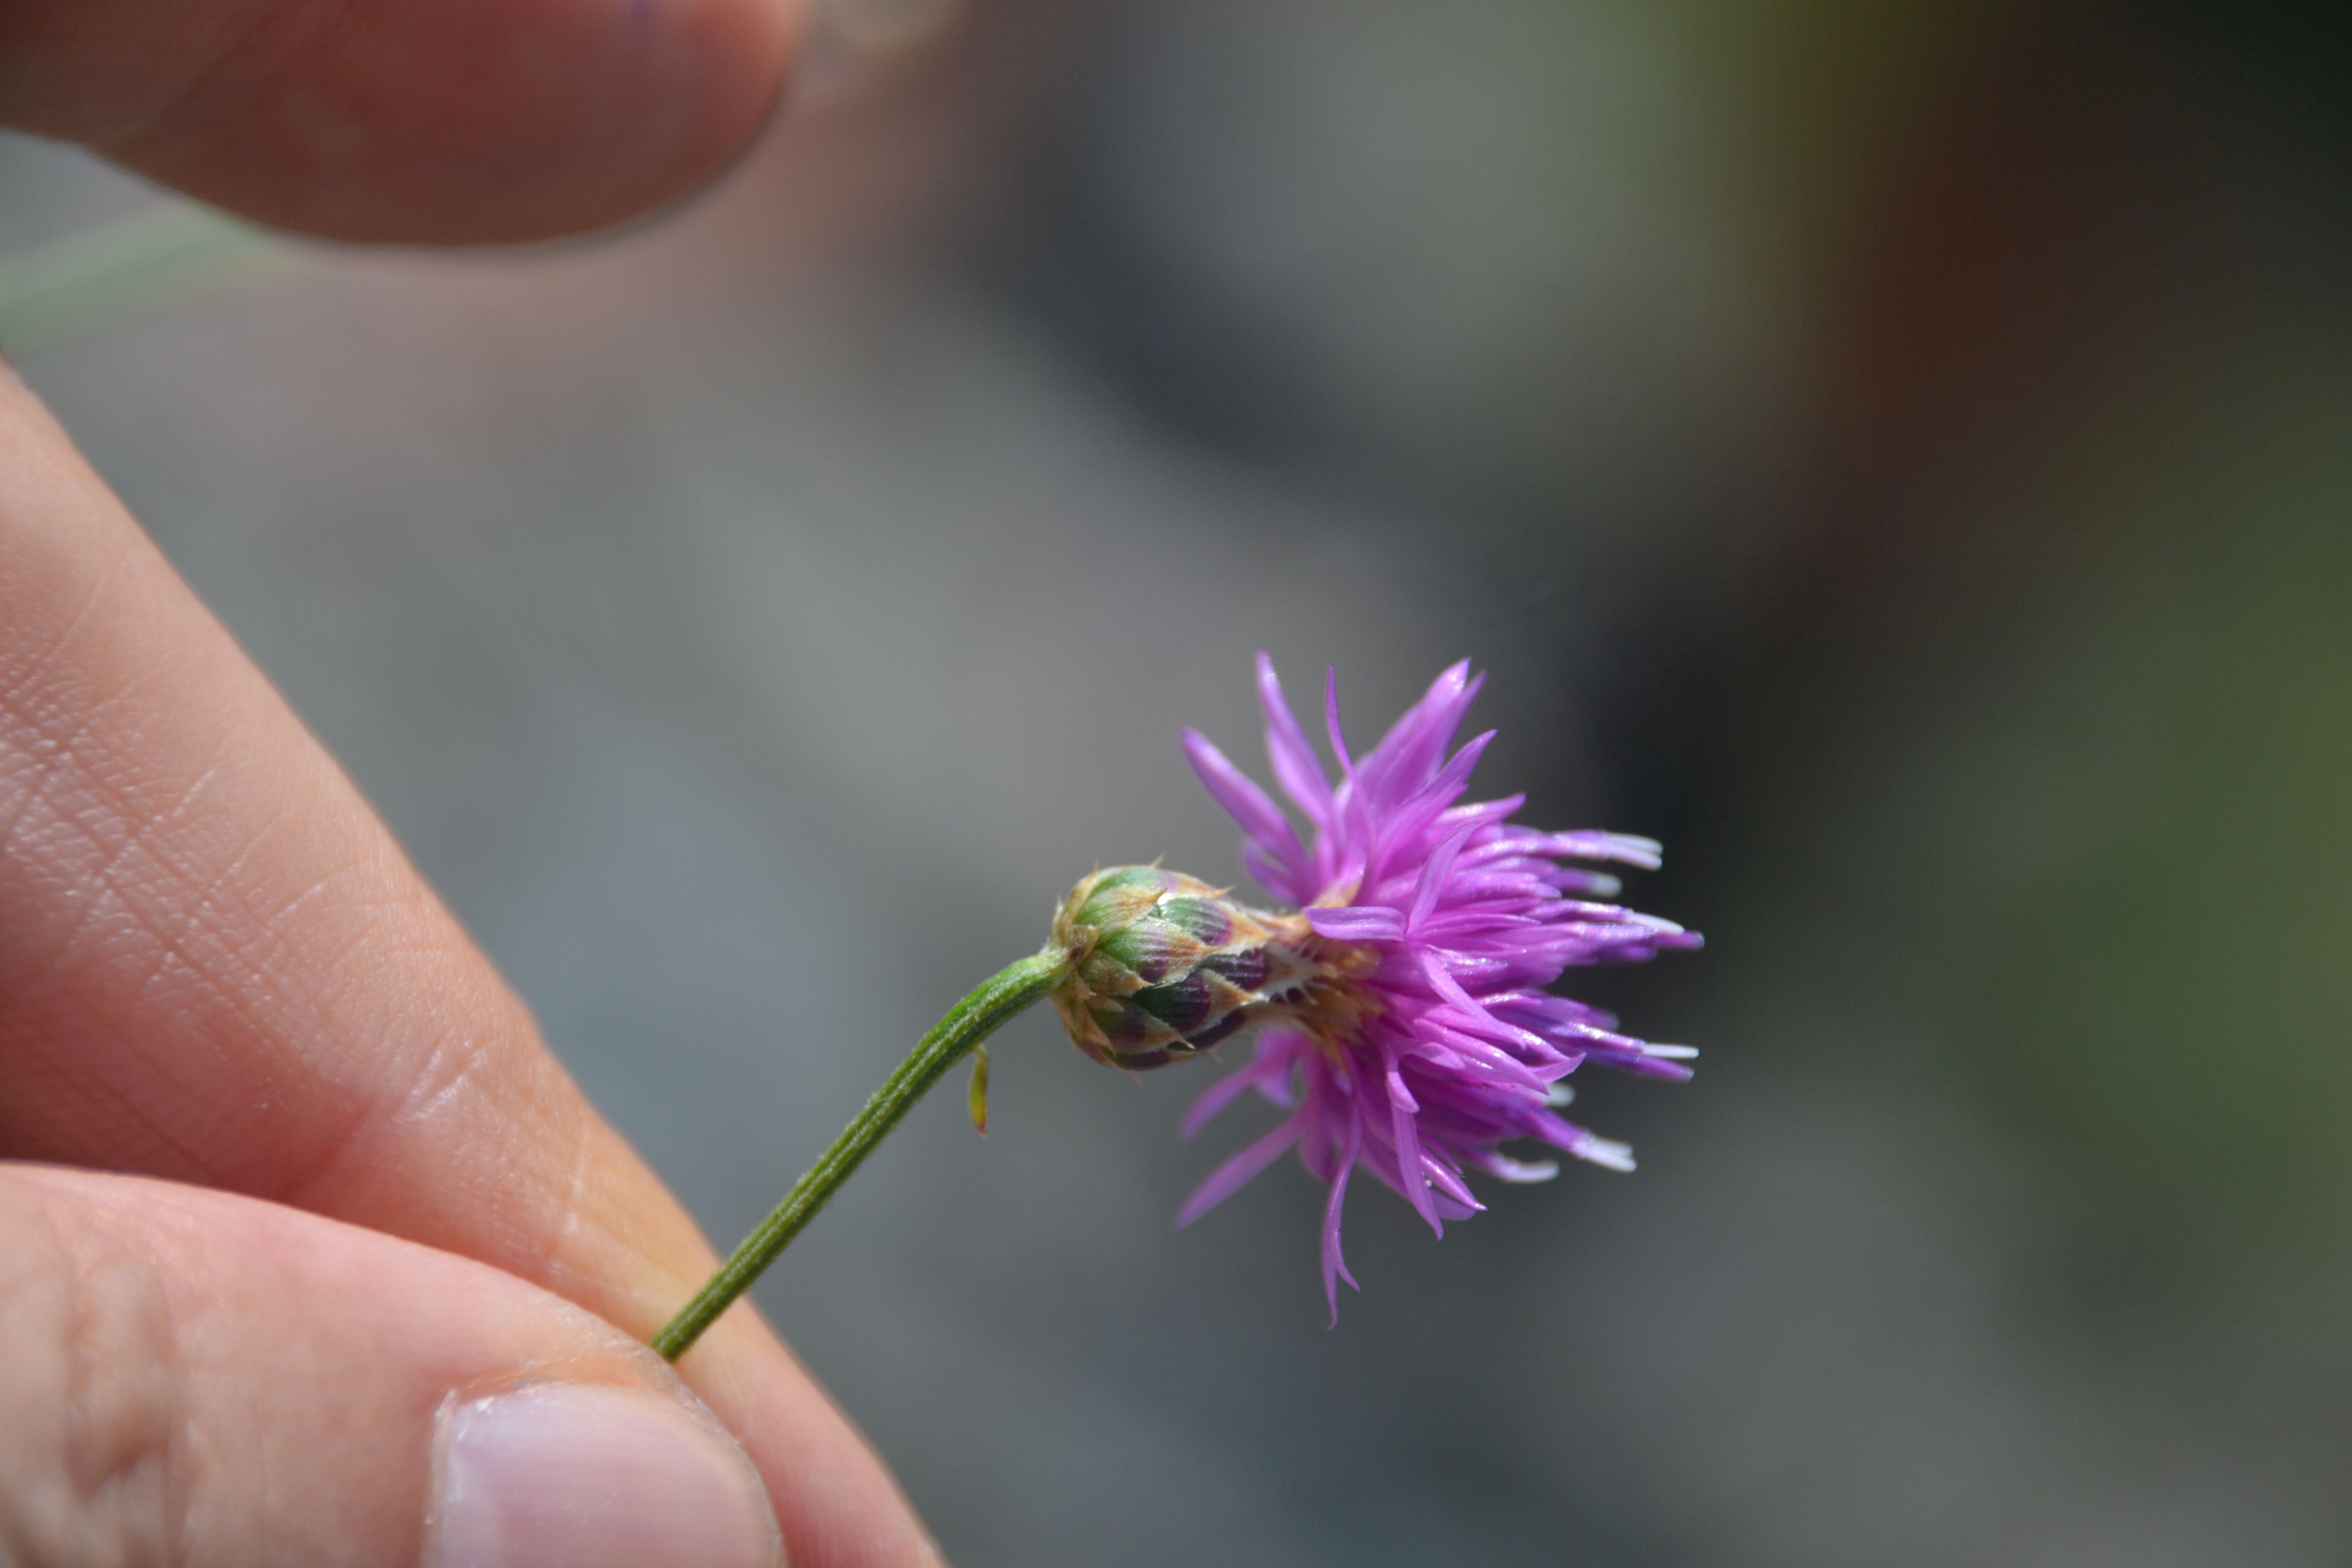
(198, 1378)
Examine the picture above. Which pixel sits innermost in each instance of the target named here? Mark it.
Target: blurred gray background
(1899, 453)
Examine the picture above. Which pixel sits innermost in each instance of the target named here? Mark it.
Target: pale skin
(284, 1165)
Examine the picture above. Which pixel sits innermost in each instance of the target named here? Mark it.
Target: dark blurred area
(1900, 454)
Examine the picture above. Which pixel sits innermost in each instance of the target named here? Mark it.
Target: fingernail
(583, 1477)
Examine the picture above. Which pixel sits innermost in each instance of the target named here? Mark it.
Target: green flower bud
(1163, 967)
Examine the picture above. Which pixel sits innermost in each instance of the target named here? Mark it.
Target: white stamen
(1601, 1152)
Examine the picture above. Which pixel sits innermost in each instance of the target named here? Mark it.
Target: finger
(431, 121)
(206, 1380)
(216, 967)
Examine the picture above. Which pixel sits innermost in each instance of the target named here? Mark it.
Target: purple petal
(1432, 879)
(1408, 753)
(1492, 1060)
(1295, 766)
(1358, 922)
(1331, 723)
(1399, 1095)
(1274, 876)
(1495, 812)
(1236, 1172)
(1450, 781)
(1406, 823)
(1445, 1182)
(1248, 805)
(1442, 980)
(1270, 1063)
(1410, 1161)
(1335, 1265)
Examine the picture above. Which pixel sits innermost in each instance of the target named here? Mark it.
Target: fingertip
(427, 121)
(837, 1500)
(268, 1386)
(558, 1475)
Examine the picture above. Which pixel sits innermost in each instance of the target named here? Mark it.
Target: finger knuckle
(91, 1450)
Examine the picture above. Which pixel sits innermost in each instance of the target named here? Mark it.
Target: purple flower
(1430, 1039)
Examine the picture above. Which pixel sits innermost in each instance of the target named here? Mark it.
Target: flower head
(1162, 966)
(1419, 1036)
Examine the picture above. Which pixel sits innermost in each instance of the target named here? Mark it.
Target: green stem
(992, 1003)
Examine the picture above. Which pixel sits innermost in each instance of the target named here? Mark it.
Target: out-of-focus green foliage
(168, 254)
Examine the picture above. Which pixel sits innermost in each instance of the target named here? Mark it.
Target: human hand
(419, 121)
(308, 1250)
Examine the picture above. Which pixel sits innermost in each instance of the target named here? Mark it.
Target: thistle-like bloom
(1401, 1011)
(1404, 1022)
